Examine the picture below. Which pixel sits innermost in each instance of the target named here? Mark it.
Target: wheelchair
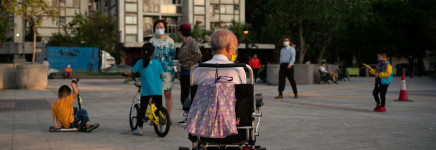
(247, 112)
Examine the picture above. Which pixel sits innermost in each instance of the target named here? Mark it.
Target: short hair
(220, 38)
(186, 33)
(64, 90)
(159, 21)
(383, 53)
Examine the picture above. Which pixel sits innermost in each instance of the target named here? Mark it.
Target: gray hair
(220, 38)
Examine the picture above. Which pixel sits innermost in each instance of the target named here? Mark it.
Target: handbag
(212, 114)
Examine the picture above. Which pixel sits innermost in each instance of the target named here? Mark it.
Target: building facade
(136, 17)
(67, 10)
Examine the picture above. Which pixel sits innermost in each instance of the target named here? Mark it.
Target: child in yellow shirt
(64, 112)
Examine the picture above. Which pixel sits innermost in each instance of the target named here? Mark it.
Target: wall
(304, 74)
(81, 58)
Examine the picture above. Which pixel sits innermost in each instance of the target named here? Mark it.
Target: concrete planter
(303, 73)
(31, 76)
(7, 76)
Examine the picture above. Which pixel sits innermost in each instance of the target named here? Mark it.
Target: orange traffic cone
(403, 91)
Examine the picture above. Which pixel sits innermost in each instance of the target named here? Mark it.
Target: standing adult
(189, 55)
(46, 63)
(411, 67)
(255, 64)
(287, 59)
(165, 51)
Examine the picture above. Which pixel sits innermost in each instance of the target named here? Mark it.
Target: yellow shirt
(385, 74)
(63, 109)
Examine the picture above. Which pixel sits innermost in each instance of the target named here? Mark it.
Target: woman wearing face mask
(255, 64)
(165, 51)
(189, 55)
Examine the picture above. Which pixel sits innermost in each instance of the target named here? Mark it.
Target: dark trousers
(255, 74)
(286, 73)
(380, 89)
(184, 85)
(79, 116)
(157, 99)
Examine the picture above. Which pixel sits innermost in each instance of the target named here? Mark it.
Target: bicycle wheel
(133, 116)
(163, 127)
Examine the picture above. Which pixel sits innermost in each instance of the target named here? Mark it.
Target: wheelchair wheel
(133, 116)
(163, 127)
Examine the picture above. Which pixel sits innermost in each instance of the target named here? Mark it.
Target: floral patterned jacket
(165, 51)
(189, 54)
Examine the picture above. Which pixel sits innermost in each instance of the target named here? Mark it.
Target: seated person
(64, 112)
(68, 72)
(333, 75)
(224, 45)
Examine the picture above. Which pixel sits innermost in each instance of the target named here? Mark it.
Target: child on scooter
(64, 112)
(151, 72)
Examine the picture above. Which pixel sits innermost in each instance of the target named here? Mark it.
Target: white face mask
(286, 44)
(159, 32)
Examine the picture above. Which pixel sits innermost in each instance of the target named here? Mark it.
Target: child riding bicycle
(151, 72)
(64, 112)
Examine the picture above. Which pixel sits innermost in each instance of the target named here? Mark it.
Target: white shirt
(323, 70)
(287, 55)
(207, 75)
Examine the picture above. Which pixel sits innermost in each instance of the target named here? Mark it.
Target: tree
(335, 15)
(5, 23)
(32, 11)
(5, 26)
(96, 30)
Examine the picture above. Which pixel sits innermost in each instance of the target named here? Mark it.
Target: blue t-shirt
(150, 77)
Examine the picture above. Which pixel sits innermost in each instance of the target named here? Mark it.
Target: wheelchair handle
(222, 66)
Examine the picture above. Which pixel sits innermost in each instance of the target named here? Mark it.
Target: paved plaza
(323, 117)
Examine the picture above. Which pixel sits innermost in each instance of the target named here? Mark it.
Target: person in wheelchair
(224, 45)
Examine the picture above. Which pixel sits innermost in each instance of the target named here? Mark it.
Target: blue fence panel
(79, 58)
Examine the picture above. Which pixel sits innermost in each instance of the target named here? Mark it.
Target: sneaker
(279, 97)
(92, 127)
(137, 131)
(183, 122)
(296, 96)
(382, 109)
(377, 108)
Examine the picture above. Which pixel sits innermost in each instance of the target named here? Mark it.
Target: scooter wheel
(52, 129)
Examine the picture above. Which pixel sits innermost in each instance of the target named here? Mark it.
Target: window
(174, 2)
(131, 19)
(131, 38)
(151, 6)
(229, 9)
(55, 3)
(62, 20)
(131, 7)
(168, 9)
(236, 7)
(198, 2)
(131, 29)
(199, 10)
(75, 3)
(199, 18)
